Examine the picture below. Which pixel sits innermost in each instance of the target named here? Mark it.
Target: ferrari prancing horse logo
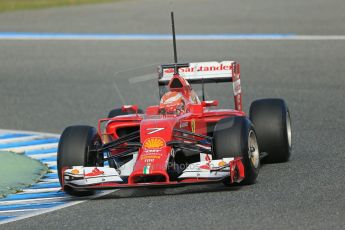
(192, 124)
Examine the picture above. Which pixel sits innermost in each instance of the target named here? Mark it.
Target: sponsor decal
(207, 158)
(201, 69)
(95, 172)
(75, 171)
(149, 160)
(206, 166)
(151, 154)
(237, 87)
(154, 143)
(149, 151)
(146, 169)
(154, 130)
(221, 163)
(192, 124)
(150, 157)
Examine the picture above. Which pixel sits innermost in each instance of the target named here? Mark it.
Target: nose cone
(161, 127)
(154, 155)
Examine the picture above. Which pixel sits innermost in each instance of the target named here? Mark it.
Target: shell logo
(75, 171)
(154, 143)
(222, 163)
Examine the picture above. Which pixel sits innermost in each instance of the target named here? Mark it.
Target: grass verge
(18, 171)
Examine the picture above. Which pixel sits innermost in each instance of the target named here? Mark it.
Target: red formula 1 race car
(181, 141)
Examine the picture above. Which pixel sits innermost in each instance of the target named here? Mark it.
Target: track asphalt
(47, 85)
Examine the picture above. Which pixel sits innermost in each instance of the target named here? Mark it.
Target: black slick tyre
(271, 119)
(73, 151)
(233, 137)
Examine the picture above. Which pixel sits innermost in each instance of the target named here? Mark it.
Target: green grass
(18, 171)
(10, 5)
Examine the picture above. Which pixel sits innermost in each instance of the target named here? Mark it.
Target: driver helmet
(172, 103)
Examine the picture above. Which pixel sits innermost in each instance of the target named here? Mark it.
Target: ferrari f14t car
(182, 140)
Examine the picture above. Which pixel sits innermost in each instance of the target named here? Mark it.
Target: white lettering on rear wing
(200, 72)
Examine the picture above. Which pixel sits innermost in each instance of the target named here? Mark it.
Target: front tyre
(74, 144)
(233, 137)
(271, 119)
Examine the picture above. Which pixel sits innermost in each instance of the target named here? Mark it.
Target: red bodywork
(156, 130)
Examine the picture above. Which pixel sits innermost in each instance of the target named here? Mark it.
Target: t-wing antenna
(174, 40)
(176, 65)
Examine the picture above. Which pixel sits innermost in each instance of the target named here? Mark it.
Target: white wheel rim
(253, 149)
(288, 128)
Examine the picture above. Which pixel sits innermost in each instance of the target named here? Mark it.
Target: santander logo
(220, 67)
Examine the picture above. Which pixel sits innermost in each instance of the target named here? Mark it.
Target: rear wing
(205, 72)
(200, 72)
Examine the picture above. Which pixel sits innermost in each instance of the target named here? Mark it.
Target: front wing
(100, 178)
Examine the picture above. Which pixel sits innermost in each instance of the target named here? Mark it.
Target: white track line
(315, 37)
(41, 190)
(18, 210)
(186, 37)
(43, 155)
(50, 163)
(42, 211)
(49, 180)
(31, 147)
(28, 132)
(20, 139)
(38, 200)
(300, 38)
(26, 213)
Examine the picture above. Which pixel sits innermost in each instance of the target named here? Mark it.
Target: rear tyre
(73, 151)
(271, 119)
(118, 112)
(233, 137)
